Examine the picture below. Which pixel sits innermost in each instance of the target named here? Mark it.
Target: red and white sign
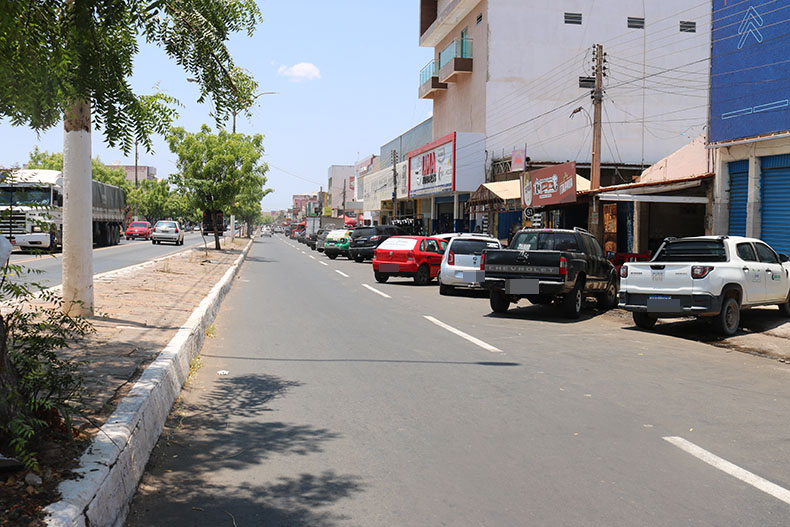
(517, 160)
(432, 167)
(549, 186)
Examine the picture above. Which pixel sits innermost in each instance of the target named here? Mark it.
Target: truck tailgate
(506, 263)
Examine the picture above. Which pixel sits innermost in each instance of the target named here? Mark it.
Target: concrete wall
(406, 142)
(461, 108)
(339, 174)
(535, 61)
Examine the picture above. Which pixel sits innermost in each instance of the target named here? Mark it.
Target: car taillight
(375, 238)
(483, 262)
(176, 229)
(624, 271)
(450, 258)
(410, 255)
(563, 265)
(701, 271)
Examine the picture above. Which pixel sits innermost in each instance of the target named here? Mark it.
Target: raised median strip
(115, 460)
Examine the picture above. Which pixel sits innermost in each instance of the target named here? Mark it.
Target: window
(692, 251)
(688, 27)
(573, 18)
(545, 241)
(479, 18)
(766, 254)
(636, 23)
(587, 82)
(461, 246)
(746, 252)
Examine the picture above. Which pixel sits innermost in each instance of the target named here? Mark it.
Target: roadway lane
(128, 252)
(345, 405)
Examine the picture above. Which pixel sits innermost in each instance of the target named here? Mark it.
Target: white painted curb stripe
(341, 273)
(463, 335)
(385, 295)
(735, 471)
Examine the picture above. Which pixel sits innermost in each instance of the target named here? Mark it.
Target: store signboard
(518, 160)
(549, 186)
(432, 168)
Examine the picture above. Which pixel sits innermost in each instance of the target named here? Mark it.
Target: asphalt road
(128, 252)
(342, 406)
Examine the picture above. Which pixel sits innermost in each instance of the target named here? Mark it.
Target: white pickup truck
(707, 276)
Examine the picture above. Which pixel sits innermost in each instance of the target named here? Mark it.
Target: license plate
(389, 268)
(473, 277)
(522, 286)
(663, 304)
(658, 276)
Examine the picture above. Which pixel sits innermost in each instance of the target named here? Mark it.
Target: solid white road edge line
(341, 273)
(744, 475)
(463, 335)
(385, 295)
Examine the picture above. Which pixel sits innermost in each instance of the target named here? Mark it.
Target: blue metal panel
(739, 190)
(749, 68)
(506, 219)
(775, 190)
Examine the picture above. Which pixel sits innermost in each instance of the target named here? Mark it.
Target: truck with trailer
(31, 209)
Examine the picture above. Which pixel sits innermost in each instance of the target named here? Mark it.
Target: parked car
(266, 232)
(462, 263)
(167, 231)
(417, 257)
(364, 240)
(336, 243)
(550, 265)
(138, 229)
(321, 239)
(706, 276)
(312, 239)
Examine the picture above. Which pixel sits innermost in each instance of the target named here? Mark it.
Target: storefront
(441, 175)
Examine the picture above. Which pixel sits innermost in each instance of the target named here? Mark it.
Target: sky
(346, 75)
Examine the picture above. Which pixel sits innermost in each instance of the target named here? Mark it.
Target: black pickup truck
(547, 266)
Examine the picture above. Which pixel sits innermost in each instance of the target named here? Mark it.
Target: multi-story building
(519, 74)
(143, 172)
(339, 187)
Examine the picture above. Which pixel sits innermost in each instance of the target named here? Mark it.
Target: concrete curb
(114, 463)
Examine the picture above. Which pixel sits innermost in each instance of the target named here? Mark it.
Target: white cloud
(304, 71)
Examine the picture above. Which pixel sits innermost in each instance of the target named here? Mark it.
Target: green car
(337, 242)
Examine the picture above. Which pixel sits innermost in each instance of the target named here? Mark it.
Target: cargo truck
(31, 209)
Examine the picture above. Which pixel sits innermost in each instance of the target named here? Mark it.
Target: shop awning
(655, 191)
(492, 197)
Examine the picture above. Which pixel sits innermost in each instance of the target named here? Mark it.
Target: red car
(138, 229)
(418, 257)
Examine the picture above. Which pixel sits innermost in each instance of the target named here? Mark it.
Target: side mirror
(610, 255)
(784, 258)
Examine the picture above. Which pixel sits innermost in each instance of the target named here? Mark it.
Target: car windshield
(692, 251)
(544, 241)
(359, 233)
(398, 244)
(139, 224)
(460, 246)
(24, 196)
(166, 225)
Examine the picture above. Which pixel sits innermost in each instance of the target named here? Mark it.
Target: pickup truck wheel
(729, 319)
(381, 278)
(499, 302)
(422, 276)
(644, 321)
(332, 256)
(785, 308)
(608, 300)
(359, 259)
(572, 303)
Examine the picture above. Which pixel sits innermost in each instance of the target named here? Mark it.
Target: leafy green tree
(100, 171)
(215, 169)
(150, 199)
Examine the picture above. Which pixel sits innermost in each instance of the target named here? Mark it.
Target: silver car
(167, 231)
(462, 262)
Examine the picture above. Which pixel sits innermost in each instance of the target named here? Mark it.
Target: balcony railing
(429, 81)
(454, 59)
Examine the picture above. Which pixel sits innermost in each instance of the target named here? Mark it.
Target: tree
(248, 205)
(149, 199)
(73, 59)
(215, 169)
(99, 171)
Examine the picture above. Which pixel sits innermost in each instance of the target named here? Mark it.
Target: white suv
(708, 276)
(462, 262)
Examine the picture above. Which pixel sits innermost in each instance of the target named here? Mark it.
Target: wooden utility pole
(597, 97)
(394, 183)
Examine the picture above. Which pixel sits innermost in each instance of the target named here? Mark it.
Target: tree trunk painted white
(77, 212)
(232, 227)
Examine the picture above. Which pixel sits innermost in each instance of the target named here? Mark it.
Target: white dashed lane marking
(385, 295)
(341, 273)
(474, 340)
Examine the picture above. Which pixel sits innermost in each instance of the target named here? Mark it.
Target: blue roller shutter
(739, 190)
(775, 195)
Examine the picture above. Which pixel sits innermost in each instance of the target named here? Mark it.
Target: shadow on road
(548, 313)
(385, 361)
(229, 429)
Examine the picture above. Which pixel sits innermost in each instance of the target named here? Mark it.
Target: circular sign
(529, 212)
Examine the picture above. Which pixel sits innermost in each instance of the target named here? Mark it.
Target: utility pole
(344, 199)
(394, 183)
(597, 97)
(135, 163)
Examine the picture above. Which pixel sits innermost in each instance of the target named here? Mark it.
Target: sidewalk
(141, 313)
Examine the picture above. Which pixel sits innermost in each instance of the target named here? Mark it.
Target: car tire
(785, 308)
(332, 256)
(381, 277)
(644, 321)
(499, 301)
(359, 259)
(608, 300)
(573, 301)
(729, 319)
(445, 290)
(423, 275)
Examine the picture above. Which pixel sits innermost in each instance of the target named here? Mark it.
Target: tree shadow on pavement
(260, 259)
